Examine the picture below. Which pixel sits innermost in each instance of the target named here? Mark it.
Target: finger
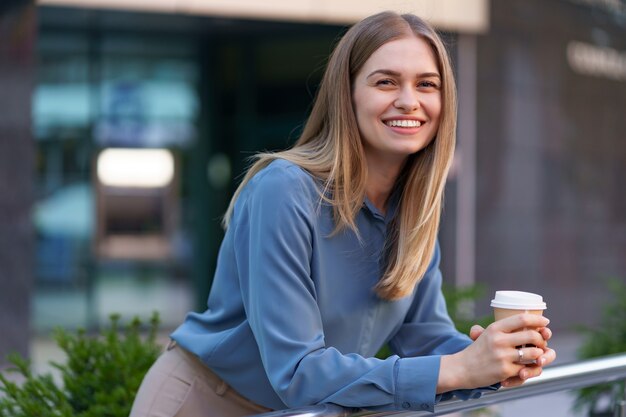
(513, 381)
(520, 321)
(476, 331)
(526, 337)
(546, 333)
(547, 358)
(529, 372)
(528, 355)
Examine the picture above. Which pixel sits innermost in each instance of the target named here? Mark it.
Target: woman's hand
(529, 371)
(493, 356)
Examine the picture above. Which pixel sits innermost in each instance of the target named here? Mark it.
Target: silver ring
(520, 355)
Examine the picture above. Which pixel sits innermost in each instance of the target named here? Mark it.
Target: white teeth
(403, 123)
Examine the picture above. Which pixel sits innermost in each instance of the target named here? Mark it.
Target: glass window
(96, 91)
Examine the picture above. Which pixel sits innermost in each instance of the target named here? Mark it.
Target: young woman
(331, 252)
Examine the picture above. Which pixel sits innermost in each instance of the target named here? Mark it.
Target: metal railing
(553, 379)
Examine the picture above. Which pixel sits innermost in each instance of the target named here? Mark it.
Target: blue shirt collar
(392, 207)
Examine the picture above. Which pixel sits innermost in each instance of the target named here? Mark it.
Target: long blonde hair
(330, 148)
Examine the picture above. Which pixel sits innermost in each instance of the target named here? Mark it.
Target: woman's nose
(407, 100)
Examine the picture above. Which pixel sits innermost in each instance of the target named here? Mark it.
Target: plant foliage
(459, 301)
(607, 339)
(100, 376)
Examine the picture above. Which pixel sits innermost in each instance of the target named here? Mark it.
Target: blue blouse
(292, 317)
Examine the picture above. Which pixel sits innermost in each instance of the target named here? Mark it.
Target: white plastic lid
(518, 300)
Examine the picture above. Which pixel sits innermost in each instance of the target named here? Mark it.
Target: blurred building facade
(535, 201)
(18, 27)
(551, 159)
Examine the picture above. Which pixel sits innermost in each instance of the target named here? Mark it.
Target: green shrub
(459, 301)
(607, 338)
(100, 376)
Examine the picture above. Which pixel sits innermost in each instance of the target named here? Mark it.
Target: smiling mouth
(403, 123)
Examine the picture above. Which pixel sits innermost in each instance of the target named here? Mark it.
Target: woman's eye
(427, 84)
(385, 81)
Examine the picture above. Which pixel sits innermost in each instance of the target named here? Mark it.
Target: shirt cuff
(416, 383)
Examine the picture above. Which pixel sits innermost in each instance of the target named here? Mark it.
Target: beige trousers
(180, 385)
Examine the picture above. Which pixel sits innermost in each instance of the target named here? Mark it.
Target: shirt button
(406, 405)
(424, 406)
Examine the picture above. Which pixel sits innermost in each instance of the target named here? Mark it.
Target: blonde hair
(330, 148)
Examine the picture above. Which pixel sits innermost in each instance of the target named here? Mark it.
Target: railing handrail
(553, 379)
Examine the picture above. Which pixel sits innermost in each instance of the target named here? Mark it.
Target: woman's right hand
(493, 356)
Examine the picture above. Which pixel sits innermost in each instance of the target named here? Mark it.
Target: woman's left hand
(529, 371)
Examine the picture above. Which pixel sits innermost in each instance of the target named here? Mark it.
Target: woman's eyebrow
(397, 74)
(384, 72)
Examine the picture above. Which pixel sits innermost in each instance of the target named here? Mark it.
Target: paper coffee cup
(510, 303)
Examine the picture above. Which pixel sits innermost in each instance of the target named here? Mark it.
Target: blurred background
(125, 126)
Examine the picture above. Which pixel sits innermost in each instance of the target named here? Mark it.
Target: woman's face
(397, 100)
